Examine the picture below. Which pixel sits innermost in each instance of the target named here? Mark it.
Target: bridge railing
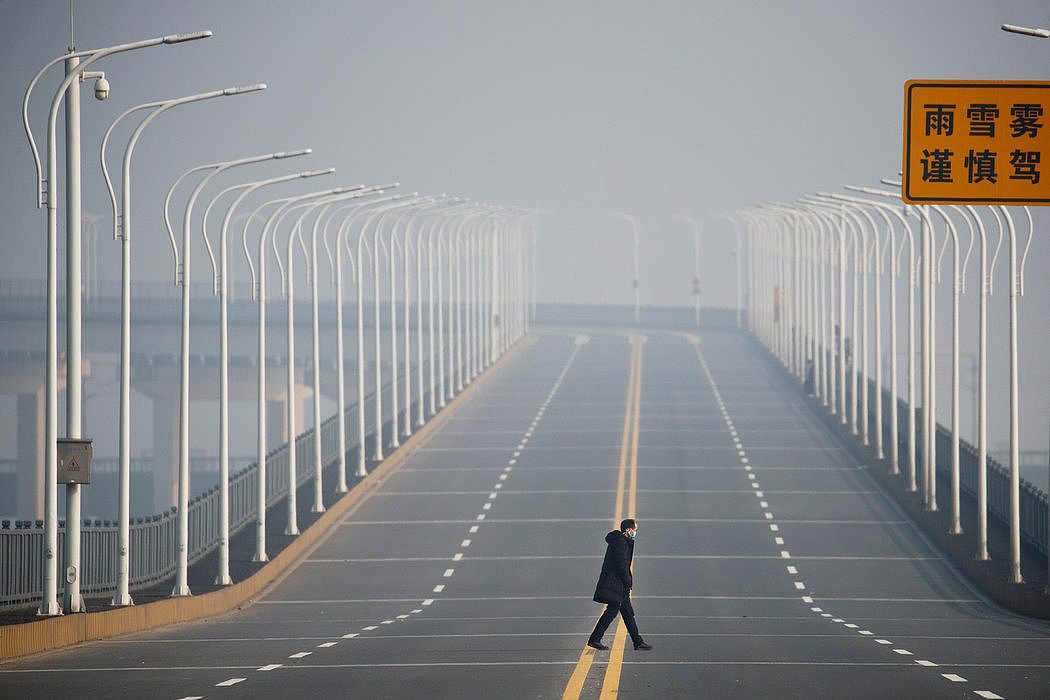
(1035, 504)
(153, 538)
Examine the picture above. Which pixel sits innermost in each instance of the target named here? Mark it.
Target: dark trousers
(625, 610)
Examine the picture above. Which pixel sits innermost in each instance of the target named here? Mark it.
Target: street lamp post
(859, 247)
(419, 316)
(982, 381)
(1016, 290)
(361, 241)
(257, 293)
(325, 205)
(1042, 34)
(335, 261)
(885, 210)
(46, 189)
(912, 282)
(437, 357)
(737, 254)
(877, 252)
(221, 290)
(273, 221)
(124, 229)
(633, 220)
(308, 203)
(697, 233)
(957, 277)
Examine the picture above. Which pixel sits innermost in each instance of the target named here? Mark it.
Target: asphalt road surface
(768, 564)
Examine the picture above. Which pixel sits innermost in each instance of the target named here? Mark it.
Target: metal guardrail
(153, 538)
(1035, 504)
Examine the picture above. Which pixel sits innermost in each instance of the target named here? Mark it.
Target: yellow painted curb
(65, 630)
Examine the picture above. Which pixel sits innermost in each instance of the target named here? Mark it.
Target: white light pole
(424, 209)
(429, 248)
(336, 263)
(373, 215)
(1042, 34)
(859, 237)
(324, 205)
(912, 283)
(697, 233)
(1016, 290)
(738, 254)
(957, 287)
(124, 230)
(221, 289)
(437, 357)
(885, 211)
(259, 294)
(395, 383)
(46, 189)
(633, 220)
(986, 288)
(877, 252)
(288, 283)
(928, 325)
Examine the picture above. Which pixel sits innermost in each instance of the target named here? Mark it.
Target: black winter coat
(615, 581)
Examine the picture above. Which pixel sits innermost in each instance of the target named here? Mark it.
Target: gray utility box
(74, 461)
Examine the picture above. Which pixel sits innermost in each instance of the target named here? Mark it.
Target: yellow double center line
(626, 488)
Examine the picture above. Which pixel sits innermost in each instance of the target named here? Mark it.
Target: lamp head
(191, 36)
(1029, 31)
(292, 154)
(246, 88)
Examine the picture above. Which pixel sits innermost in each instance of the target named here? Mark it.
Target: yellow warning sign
(976, 142)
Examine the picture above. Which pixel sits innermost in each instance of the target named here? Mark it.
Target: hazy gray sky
(583, 108)
(579, 107)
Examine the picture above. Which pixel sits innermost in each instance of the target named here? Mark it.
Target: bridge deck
(768, 564)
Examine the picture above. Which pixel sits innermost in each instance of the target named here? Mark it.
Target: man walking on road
(614, 586)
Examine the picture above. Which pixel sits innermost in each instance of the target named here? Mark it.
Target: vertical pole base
(49, 608)
(121, 600)
(180, 591)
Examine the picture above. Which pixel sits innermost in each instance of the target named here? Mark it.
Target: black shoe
(597, 645)
(643, 646)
